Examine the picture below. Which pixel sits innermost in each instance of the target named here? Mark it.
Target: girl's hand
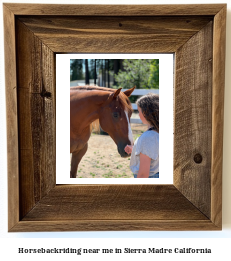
(128, 149)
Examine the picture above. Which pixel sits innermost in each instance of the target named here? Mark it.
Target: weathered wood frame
(33, 35)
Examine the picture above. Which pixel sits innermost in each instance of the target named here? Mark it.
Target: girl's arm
(144, 169)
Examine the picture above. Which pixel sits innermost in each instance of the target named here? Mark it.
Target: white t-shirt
(148, 144)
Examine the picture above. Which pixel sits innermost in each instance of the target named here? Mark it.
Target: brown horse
(113, 110)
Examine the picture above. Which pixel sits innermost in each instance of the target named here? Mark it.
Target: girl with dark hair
(145, 152)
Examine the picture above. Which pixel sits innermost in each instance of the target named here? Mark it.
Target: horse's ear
(129, 92)
(117, 93)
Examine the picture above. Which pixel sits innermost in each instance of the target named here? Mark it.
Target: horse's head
(115, 117)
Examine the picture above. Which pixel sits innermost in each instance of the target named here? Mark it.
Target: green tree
(139, 73)
(76, 69)
(154, 74)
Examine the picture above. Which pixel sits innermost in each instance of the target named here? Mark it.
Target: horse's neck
(90, 104)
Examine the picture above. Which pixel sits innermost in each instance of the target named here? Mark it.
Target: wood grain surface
(114, 10)
(36, 107)
(193, 113)
(11, 116)
(114, 202)
(33, 35)
(111, 207)
(219, 45)
(114, 225)
(115, 34)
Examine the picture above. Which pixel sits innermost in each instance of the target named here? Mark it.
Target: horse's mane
(125, 102)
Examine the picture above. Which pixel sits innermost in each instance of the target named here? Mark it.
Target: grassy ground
(102, 159)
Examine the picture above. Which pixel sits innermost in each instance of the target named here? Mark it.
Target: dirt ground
(102, 159)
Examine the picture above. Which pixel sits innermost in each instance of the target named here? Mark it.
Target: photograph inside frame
(109, 120)
(114, 118)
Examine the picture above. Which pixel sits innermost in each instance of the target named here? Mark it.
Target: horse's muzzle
(121, 151)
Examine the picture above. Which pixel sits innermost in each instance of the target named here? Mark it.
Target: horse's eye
(116, 115)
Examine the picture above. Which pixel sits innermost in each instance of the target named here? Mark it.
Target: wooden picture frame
(33, 34)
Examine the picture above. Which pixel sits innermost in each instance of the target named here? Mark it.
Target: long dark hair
(149, 105)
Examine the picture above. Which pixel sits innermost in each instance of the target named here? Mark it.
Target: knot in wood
(198, 158)
(45, 94)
